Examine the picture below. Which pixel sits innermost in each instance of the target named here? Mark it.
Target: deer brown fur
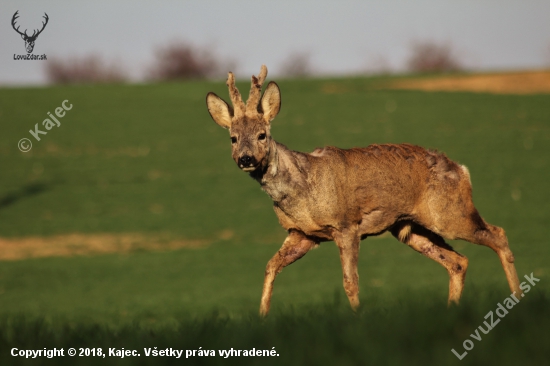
(332, 194)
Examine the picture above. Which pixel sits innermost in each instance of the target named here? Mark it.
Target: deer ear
(219, 110)
(271, 101)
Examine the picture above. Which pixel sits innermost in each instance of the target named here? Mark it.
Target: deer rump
(374, 188)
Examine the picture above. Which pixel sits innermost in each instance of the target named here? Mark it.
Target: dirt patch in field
(528, 82)
(90, 244)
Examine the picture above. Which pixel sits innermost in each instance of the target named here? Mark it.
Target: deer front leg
(295, 246)
(348, 244)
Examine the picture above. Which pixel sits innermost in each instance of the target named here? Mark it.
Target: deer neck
(283, 176)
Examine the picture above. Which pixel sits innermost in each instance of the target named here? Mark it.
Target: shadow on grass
(26, 191)
(413, 332)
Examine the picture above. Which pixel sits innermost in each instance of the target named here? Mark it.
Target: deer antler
(34, 34)
(15, 16)
(43, 26)
(235, 95)
(255, 92)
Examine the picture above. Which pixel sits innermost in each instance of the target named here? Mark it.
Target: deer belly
(376, 221)
(302, 221)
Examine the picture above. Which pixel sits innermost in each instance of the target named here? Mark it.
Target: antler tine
(235, 95)
(13, 19)
(256, 91)
(43, 24)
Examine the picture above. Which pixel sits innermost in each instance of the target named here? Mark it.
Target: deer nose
(245, 160)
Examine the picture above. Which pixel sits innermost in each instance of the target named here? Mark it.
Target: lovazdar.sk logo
(29, 39)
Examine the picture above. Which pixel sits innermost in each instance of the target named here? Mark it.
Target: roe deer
(332, 194)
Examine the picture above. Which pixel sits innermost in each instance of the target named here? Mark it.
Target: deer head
(249, 125)
(29, 40)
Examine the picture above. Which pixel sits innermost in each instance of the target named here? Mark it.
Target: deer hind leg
(433, 246)
(295, 246)
(348, 244)
(494, 237)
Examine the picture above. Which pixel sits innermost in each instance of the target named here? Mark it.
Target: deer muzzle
(247, 163)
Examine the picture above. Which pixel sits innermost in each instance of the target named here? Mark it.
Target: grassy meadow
(148, 159)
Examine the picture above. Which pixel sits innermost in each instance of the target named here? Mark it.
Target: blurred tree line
(185, 61)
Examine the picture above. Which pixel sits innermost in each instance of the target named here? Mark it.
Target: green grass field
(148, 159)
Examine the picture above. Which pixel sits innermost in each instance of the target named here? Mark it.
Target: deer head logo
(29, 40)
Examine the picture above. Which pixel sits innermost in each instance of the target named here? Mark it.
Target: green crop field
(148, 160)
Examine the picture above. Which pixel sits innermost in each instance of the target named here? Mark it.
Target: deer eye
(233, 140)
(261, 136)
